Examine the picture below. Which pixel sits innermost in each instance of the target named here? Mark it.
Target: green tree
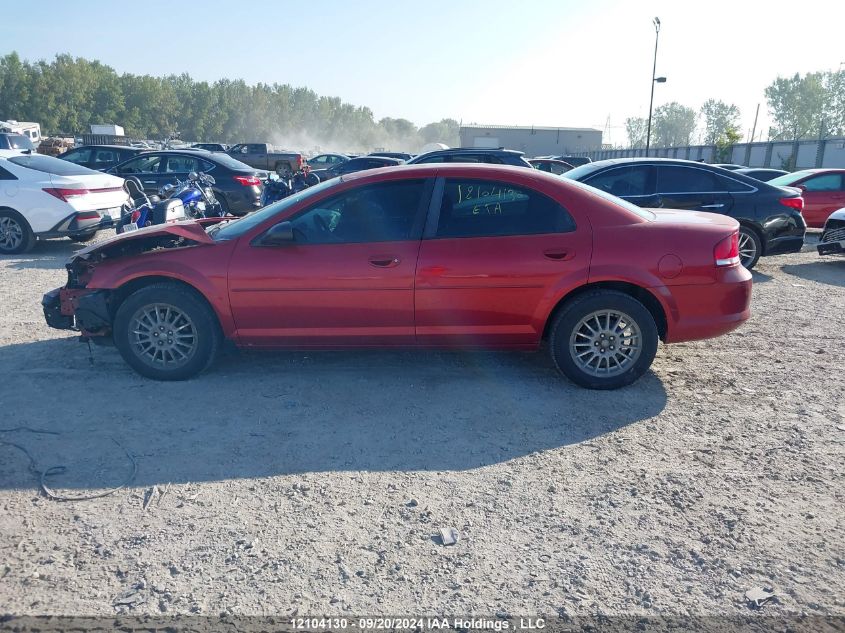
(725, 142)
(672, 125)
(636, 128)
(798, 105)
(719, 118)
(445, 131)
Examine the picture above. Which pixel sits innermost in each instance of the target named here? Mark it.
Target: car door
(347, 279)
(634, 183)
(491, 253)
(178, 166)
(823, 194)
(145, 168)
(693, 188)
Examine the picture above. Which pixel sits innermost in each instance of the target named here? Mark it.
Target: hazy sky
(529, 62)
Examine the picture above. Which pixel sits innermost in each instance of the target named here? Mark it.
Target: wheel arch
(643, 295)
(758, 230)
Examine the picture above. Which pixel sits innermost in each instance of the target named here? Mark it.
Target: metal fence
(788, 155)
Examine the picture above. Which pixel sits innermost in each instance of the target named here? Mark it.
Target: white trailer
(108, 130)
(29, 129)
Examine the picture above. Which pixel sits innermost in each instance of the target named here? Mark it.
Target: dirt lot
(316, 483)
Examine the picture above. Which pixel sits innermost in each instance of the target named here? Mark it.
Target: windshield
(235, 228)
(51, 165)
(619, 202)
(788, 179)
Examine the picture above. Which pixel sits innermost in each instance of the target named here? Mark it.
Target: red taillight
(726, 252)
(301, 162)
(796, 203)
(136, 215)
(248, 181)
(65, 194)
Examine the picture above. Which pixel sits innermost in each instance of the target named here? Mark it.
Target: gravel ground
(317, 483)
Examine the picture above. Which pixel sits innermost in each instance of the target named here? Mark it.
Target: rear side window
(50, 165)
(674, 179)
(622, 181)
(486, 208)
(5, 175)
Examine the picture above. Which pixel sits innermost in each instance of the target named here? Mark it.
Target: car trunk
(97, 192)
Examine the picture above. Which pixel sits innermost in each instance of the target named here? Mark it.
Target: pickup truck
(265, 156)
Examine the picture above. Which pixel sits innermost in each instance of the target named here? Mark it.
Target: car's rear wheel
(16, 235)
(750, 247)
(604, 339)
(166, 332)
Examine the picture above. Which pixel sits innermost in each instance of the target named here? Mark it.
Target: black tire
(16, 235)
(85, 237)
(224, 206)
(312, 179)
(570, 317)
(203, 326)
(751, 244)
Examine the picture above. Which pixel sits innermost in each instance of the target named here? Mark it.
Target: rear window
(231, 163)
(619, 202)
(17, 141)
(51, 165)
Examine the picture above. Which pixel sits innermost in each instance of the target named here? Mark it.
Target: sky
(532, 62)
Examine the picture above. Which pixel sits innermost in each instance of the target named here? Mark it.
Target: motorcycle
(196, 195)
(142, 210)
(286, 184)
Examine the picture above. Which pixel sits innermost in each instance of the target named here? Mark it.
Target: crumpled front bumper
(78, 309)
(52, 305)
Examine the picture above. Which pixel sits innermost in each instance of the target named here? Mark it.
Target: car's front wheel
(604, 339)
(166, 332)
(16, 236)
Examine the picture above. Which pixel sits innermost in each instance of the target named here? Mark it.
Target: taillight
(726, 252)
(136, 215)
(248, 181)
(301, 162)
(796, 203)
(65, 194)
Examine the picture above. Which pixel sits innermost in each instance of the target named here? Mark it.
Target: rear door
(823, 194)
(346, 280)
(491, 253)
(682, 187)
(146, 168)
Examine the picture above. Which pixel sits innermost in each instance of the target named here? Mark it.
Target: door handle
(559, 254)
(149, 182)
(713, 206)
(384, 261)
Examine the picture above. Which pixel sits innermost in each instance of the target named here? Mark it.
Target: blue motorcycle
(196, 194)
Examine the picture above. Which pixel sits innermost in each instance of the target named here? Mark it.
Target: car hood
(171, 235)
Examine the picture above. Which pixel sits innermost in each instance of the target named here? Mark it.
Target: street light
(659, 80)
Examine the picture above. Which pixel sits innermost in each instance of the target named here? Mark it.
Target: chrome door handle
(712, 206)
(149, 182)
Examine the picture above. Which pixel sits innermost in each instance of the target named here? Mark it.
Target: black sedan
(770, 217)
(99, 157)
(360, 164)
(237, 187)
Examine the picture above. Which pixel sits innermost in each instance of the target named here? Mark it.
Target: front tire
(750, 247)
(166, 332)
(16, 235)
(604, 339)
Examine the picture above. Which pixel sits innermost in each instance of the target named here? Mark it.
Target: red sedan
(823, 192)
(455, 256)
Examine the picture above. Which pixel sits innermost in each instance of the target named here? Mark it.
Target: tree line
(801, 107)
(68, 94)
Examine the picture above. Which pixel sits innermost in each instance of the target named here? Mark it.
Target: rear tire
(16, 235)
(604, 339)
(750, 247)
(167, 332)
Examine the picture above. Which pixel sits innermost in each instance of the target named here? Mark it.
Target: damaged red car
(429, 256)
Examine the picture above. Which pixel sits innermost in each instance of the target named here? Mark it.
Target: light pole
(659, 80)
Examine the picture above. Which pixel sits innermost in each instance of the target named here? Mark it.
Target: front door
(347, 279)
(145, 168)
(486, 267)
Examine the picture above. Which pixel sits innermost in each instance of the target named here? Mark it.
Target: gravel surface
(319, 483)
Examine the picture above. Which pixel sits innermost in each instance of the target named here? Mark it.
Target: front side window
(385, 212)
(825, 182)
(142, 165)
(622, 181)
(487, 208)
(105, 158)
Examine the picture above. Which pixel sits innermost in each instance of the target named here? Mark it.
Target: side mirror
(278, 235)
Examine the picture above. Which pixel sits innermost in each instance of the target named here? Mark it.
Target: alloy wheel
(163, 336)
(747, 248)
(11, 233)
(606, 343)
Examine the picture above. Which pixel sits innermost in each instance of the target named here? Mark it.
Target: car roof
(430, 170)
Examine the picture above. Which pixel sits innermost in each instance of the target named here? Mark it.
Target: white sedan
(832, 241)
(43, 197)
